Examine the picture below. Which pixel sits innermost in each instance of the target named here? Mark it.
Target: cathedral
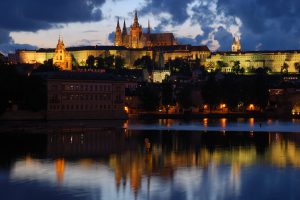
(138, 39)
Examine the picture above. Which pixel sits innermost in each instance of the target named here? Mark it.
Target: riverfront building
(85, 96)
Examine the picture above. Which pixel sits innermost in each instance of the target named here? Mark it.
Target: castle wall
(273, 60)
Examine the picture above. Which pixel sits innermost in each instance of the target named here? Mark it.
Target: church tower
(149, 28)
(62, 58)
(236, 45)
(118, 35)
(136, 33)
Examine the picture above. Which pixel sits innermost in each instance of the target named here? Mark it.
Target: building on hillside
(236, 45)
(250, 60)
(61, 57)
(80, 55)
(158, 76)
(138, 39)
(85, 96)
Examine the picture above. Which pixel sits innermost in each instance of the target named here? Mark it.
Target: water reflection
(124, 164)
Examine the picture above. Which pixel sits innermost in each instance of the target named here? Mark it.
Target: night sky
(261, 24)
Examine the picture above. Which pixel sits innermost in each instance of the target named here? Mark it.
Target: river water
(163, 159)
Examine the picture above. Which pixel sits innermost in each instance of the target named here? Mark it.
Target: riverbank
(190, 116)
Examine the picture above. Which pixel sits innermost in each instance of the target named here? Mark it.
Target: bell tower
(62, 58)
(136, 33)
(236, 45)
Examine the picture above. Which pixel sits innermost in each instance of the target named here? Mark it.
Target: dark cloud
(111, 37)
(273, 24)
(268, 24)
(33, 15)
(177, 8)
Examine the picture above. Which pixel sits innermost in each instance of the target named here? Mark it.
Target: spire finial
(149, 28)
(136, 19)
(124, 28)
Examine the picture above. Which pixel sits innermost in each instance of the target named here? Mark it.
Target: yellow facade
(272, 59)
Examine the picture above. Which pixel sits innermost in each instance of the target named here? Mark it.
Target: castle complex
(161, 47)
(137, 39)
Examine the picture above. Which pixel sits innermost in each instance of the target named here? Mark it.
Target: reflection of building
(210, 154)
(85, 96)
(138, 39)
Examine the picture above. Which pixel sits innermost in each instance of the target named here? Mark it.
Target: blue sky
(261, 24)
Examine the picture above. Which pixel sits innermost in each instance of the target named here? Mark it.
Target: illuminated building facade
(236, 45)
(80, 55)
(61, 57)
(138, 39)
(249, 60)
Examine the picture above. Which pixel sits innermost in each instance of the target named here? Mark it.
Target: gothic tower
(62, 58)
(149, 28)
(136, 33)
(118, 35)
(236, 45)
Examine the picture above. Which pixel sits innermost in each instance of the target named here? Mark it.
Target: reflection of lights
(125, 125)
(223, 122)
(251, 133)
(251, 122)
(270, 121)
(205, 122)
(60, 170)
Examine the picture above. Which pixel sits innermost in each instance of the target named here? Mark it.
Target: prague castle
(160, 47)
(133, 43)
(137, 39)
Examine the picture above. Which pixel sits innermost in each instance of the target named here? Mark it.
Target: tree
(221, 65)
(109, 61)
(297, 67)
(149, 97)
(144, 62)
(211, 92)
(179, 65)
(285, 68)
(90, 61)
(236, 68)
(119, 62)
(47, 67)
(184, 97)
(167, 95)
(100, 62)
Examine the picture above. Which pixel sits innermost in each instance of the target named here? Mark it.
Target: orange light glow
(126, 109)
(251, 107)
(60, 169)
(223, 106)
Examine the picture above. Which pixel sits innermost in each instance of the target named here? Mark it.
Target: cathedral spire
(136, 19)
(149, 28)
(124, 32)
(118, 25)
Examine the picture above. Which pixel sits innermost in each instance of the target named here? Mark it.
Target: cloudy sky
(261, 24)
